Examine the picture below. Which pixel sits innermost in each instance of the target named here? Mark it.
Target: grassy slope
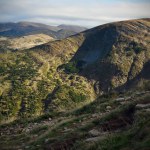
(122, 125)
(24, 42)
(30, 82)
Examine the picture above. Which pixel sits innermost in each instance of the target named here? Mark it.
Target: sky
(87, 13)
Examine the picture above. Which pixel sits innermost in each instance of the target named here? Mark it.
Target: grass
(97, 106)
(72, 128)
(135, 137)
(39, 130)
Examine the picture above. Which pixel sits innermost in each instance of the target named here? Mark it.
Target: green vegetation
(136, 47)
(28, 87)
(123, 126)
(20, 99)
(47, 100)
(71, 67)
(68, 98)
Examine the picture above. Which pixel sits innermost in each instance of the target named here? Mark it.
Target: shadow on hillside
(144, 74)
(97, 44)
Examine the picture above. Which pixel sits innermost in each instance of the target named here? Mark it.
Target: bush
(77, 97)
(136, 47)
(71, 67)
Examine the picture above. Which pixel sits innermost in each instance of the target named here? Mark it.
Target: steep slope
(112, 55)
(66, 74)
(30, 28)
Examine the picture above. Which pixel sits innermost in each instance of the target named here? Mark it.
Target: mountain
(88, 91)
(113, 55)
(30, 28)
(67, 74)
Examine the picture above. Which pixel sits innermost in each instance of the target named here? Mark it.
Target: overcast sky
(78, 12)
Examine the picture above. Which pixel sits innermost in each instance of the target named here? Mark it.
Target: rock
(95, 139)
(27, 147)
(65, 128)
(94, 132)
(27, 130)
(97, 87)
(46, 140)
(94, 115)
(142, 106)
(50, 119)
(107, 111)
(127, 98)
(122, 103)
(108, 107)
(120, 99)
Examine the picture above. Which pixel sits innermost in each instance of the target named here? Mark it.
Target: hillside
(110, 122)
(88, 91)
(24, 42)
(112, 55)
(67, 74)
(29, 28)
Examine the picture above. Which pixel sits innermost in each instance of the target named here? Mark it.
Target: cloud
(80, 12)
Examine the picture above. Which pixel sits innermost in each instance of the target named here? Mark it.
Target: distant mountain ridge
(72, 28)
(30, 28)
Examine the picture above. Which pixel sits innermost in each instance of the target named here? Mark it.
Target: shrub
(67, 97)
(147, 86)
(136, 47)
(71, 67)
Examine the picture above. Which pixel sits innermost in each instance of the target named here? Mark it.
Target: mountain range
(30, 28)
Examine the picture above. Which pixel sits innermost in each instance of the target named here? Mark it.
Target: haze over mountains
(30, 28)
